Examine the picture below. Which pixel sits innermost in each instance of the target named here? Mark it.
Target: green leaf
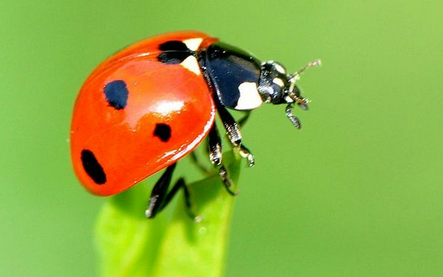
(132, 246)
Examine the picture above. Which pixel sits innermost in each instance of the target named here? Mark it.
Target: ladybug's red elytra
(149, 105)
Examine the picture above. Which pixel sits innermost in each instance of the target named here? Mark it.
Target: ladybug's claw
(197, 219)
(245, 153)
(226, 181)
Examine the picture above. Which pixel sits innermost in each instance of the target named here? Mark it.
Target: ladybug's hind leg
(233, 132)
(160, 197)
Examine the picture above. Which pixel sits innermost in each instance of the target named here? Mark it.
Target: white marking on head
(191, 64)
(280, 68)
(278, 82)
(193, 43)
(249, 97)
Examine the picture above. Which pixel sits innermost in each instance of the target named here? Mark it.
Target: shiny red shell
(123, 141)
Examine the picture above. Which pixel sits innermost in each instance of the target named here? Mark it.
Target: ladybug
(151, 104)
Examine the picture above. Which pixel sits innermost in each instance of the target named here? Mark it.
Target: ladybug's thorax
(234, 75)
(241, 82)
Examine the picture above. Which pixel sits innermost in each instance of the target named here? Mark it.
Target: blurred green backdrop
(357, 192)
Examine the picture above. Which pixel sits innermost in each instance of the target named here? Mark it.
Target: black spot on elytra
(173, 52)
(92, 167)
(116, 94)
(162, 131)
(174, 45)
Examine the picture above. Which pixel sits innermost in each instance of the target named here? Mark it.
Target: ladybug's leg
(214, 146)
(233, 131)
(160, 197)
(215, 156)
(159, 192)
(197, 162)
(180, 184)
(245, 118)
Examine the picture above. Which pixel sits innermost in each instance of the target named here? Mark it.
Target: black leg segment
(214, 146)
(232, 128)
(180, 184)
(233, 131)
(159, 192)
(244, 119)
(160, 197)
(224, 176)
(215, 155)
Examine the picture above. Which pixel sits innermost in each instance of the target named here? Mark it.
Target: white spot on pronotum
(193, 43)
(278, 82)
(249, 97)
(191, 64)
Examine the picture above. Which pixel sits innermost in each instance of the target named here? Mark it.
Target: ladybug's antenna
(296, 76)
(294, 94)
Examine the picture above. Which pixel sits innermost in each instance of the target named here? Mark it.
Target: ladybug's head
(278, 87)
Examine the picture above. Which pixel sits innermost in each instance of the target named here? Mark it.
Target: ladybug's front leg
(233, 131)
(215, 156)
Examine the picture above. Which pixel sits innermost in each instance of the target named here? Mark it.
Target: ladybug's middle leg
(160, 197)
(215, 156)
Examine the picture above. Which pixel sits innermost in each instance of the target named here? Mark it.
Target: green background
(357, 192)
